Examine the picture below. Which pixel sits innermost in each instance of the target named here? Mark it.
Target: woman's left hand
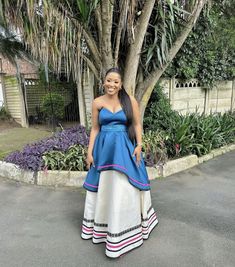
(137, 153)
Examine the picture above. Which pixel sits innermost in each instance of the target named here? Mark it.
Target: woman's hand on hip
(89, 161)
(137, 153)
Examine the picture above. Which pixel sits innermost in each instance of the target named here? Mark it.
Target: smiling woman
(118, 209)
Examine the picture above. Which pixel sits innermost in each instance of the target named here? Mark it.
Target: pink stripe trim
(104, 234)
(86, 229)
(109, 165)
(91, 185)
(153, 219)
(127, 242)
(138, 182)
(86, 232)
(121, 167)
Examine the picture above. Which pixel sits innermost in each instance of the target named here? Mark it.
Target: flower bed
(31, 157)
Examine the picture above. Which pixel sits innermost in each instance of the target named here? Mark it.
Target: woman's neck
(112, 97)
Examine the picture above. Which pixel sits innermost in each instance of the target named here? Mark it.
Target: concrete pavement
(40, 226)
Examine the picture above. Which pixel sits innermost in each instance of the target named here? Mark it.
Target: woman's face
(112, 83)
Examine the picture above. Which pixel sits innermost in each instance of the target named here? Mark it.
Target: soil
(5, 125)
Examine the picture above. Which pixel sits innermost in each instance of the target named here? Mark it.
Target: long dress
(118, 208)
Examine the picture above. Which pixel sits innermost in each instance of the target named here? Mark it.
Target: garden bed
(76, 178)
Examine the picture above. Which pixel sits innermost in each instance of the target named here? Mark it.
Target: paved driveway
(40, 226)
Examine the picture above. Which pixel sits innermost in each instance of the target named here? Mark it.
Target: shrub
(4, 114)
(191, 133)
(72, 159)
(154, 148)
(55, 102)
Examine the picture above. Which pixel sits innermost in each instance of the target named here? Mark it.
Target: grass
(16, 138)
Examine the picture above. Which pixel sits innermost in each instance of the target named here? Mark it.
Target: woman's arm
(138, 129)
(95, 128)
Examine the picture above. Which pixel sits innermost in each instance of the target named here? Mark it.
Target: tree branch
(145, 88)
(93, 48)
(133, 56)
(99, 24)
(88, 37)
(91, 66)
(119, 31)
(106, 46)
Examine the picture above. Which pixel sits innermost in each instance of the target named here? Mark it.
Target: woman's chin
(111, 93)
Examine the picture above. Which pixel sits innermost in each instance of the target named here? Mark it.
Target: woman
(118, 208)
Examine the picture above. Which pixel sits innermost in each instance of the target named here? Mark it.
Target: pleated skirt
(118, 214)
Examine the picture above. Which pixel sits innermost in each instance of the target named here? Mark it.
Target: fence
(190, 96)
(24, 99)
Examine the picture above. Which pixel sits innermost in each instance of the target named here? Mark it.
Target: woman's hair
(126, 105)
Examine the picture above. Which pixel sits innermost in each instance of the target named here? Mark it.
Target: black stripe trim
(123, 239)
(86, 220)
(125, 246)
(153, 228)
(86, 233)
(116, 234)
(104, 237)
(99, 231)
(121, 233)
(148, 215)
(101, 224)
(124, 232)
(87, 226)
(117, 241)
(150, 225)
(150, 219)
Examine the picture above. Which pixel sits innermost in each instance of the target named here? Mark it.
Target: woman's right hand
(89, 161)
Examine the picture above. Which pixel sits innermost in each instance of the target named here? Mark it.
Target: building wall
(24, 66)
(1, 95)
(13, 99)
(190, 96)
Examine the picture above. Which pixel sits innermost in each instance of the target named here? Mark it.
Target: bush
(154, 149)
(55, 102)
(190, 134)
(72, 159)
(4, 114)
(31, 157)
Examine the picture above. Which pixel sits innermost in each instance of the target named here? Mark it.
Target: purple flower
(30, 158)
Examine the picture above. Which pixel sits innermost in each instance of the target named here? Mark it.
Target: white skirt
(119, 214)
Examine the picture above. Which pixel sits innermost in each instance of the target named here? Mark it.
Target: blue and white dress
(118, 209)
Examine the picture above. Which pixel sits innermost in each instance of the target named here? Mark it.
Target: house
(11, 92)
(22, 94)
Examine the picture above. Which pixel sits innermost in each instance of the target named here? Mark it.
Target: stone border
(76, 179)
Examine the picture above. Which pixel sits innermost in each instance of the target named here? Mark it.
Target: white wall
(1, 96)
(189, 96)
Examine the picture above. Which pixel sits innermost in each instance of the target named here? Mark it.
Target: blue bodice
(113, 150)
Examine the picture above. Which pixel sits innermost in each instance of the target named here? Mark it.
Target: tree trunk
(106, 46)
(132, 61)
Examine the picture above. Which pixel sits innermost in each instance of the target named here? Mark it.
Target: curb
(76, 178)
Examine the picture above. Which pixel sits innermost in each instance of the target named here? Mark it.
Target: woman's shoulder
(98, 101)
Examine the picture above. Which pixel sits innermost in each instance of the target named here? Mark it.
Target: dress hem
(132, 181)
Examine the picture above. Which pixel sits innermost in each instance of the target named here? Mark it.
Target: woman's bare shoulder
(98, 102)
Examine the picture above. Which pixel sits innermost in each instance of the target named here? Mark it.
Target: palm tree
(10, 46)
(142, 37)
